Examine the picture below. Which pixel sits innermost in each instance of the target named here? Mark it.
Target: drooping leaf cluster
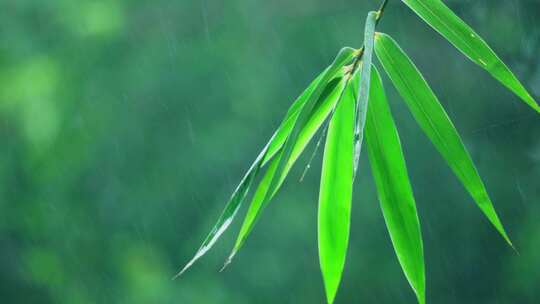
(349, 94)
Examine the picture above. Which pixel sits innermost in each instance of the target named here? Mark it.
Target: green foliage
(336, 193)
(365, 78)
(462, 36)
(285, 155)
(125, 126)
(333, 94)
(432, 118)
(394, 188)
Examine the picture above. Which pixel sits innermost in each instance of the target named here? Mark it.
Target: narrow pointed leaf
(336, 193)
(322, 110)
(307, 113)
(272, 147)
(287, 124)
(345, 56)
(433, 119)
(363, 92)
(464, 38)
(394, 189)
(231, 208)
(257, 202)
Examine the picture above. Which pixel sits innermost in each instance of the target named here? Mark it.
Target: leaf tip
(331, 286)
(181, 272)
(330, 297)
(505, 236)
(536, 107)
(516, 251)
(228, 261)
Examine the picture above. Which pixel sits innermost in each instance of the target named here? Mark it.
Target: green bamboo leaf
(295, 139)
(395, 194)
(256, 203)
(231, 208)
(336, 193)
(363, 92)
(323, 109)
(287, 124)
(432, 118)
(292, 114)
(327, 102)
(464, 38)
(272, 147)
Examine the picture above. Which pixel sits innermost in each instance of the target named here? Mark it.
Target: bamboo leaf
(394, 188)
(256, 203)
(287, 124)
(434, 121)
(231, 208)
(363, 91)
(272, 147)
(295, 139)
(336, 193)
(326, 104)
(463, 37)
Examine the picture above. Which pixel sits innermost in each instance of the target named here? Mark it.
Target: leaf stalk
(360, 51)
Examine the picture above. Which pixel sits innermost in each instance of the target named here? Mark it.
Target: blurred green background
(126, 125)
